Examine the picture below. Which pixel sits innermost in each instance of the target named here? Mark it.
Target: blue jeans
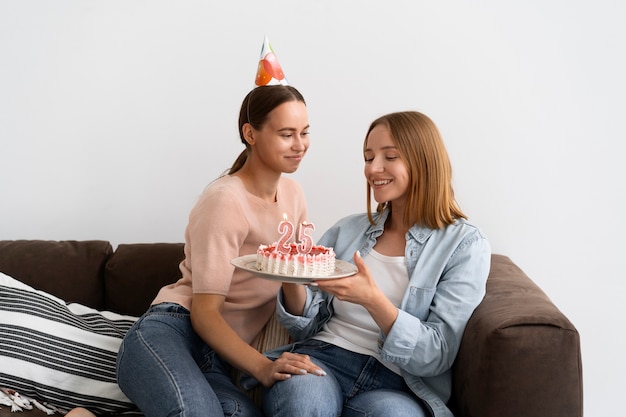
(355, 385)
(166, 369)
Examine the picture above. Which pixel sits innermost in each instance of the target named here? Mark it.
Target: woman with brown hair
(178, 357)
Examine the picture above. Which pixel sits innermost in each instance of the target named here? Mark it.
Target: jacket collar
(416, 232)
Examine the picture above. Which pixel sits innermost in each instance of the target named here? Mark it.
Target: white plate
(248, 263)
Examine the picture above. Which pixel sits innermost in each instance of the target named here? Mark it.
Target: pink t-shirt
(227, 222)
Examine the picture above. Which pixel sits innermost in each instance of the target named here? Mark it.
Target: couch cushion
(136, 272)
(57, 353)
(70, 269)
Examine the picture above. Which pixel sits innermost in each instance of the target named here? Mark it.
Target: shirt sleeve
(216, 231)
(429, 347)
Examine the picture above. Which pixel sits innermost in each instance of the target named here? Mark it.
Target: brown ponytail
(241, 159)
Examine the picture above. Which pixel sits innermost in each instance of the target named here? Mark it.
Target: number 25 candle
(287, 229)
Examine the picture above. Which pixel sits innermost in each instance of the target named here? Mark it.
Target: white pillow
(58, 353)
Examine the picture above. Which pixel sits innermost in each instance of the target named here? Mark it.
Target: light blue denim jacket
(447, 270)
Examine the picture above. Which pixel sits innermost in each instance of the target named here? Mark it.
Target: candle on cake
(286, 230)
(306, 242)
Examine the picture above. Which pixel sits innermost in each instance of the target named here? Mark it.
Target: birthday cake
(319, 261)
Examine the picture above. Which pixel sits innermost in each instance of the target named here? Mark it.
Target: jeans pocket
(310, 346)
(208, 361)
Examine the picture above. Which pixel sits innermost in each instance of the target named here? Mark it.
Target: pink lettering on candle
(306, 242)
(286, 230)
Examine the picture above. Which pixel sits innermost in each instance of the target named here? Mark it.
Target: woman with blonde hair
(387, 336)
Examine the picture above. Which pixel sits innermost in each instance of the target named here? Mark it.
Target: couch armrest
(520, 356)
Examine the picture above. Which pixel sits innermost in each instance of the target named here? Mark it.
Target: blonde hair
(430, 200)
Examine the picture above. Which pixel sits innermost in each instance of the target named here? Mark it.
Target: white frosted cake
(319, 262)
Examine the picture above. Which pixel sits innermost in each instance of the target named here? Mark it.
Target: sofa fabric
(70, 269)
(519, 352)
(520, 356)
(135, 273)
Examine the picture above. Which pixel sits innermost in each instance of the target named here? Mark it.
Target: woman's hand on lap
(289, 364)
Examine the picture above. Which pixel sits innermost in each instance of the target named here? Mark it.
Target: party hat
(269, 71)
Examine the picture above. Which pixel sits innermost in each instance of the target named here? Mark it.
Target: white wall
(115, 114)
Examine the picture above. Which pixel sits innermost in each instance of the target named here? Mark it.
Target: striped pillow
(57, 353)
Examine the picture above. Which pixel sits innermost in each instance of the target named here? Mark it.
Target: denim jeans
(355, 385)
(166, 369)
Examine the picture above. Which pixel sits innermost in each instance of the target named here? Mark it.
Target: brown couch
(520, 356)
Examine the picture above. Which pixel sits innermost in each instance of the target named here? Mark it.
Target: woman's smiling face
(283, 140)
(385, 170)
